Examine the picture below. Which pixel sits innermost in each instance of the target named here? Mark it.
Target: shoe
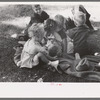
(55, 65)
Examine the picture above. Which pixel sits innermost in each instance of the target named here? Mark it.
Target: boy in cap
(79, 34)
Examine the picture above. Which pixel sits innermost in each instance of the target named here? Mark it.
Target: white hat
(79, 18)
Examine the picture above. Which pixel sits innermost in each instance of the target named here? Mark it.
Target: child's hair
(60, 20)
(53, 51)
(35, 6)
(79, 18)
(49, 25)
(37, 29)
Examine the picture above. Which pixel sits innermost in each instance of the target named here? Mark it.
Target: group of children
(46, 40)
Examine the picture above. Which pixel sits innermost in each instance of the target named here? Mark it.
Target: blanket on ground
(86, 67)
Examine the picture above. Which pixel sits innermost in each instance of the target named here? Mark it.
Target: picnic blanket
(86, 67)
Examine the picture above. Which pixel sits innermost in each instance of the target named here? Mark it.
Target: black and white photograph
(50, 42)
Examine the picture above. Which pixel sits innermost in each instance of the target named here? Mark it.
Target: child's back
(79, 34)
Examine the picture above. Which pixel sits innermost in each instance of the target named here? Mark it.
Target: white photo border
(49, 90)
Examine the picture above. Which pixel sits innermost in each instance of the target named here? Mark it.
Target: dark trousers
(82, 52)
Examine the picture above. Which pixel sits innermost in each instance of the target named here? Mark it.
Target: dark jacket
(79, 35)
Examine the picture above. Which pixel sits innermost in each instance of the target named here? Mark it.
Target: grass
(9, 72)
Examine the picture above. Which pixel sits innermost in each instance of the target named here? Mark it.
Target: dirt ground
(9, 72)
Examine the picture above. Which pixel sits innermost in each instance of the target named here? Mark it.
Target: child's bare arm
(49, 57)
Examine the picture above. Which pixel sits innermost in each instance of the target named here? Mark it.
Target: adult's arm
(64, 45)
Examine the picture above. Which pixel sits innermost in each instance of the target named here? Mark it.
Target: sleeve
(62, 34)
(46, 16)
(70, 33)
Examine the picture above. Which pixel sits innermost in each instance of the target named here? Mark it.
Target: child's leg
(44, 59)
(17, 55)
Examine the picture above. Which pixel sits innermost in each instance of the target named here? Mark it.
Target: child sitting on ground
(79, 34)
(33, 52)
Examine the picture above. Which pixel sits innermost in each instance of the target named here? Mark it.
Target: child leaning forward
(33, 52)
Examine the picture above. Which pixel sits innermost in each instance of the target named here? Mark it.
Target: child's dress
(29, 52)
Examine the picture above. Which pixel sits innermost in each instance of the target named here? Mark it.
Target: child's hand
(44, 50)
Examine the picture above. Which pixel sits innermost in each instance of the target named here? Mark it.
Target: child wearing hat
(79, 34)
(33, 52)
(39, 16)
(82, 9)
